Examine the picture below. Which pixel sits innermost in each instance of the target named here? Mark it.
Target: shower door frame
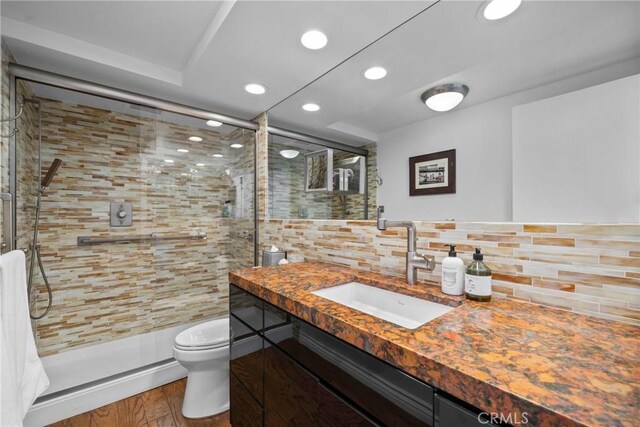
(21, 72)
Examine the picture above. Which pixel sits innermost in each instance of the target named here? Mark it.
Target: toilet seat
(201, 347)
(205, 336)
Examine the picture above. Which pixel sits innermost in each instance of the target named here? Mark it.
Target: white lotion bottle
(452, 273)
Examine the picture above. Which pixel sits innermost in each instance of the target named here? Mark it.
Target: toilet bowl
(204, 351)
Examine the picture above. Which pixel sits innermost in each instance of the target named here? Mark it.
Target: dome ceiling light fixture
(289, 154)
(493, 10)
(444, 97)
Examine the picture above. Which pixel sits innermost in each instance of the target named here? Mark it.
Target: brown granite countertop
(558, 367)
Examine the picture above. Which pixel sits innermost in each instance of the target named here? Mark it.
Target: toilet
(204, 351)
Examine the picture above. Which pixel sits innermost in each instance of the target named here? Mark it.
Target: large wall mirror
(548, 132)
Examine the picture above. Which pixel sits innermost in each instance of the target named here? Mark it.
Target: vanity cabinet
(288, 372)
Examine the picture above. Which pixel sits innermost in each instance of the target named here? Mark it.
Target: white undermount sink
(393, 307)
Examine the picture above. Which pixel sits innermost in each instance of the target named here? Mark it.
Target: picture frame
(318, 171)
(433, 173)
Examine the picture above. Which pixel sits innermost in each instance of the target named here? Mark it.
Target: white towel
(22, 376)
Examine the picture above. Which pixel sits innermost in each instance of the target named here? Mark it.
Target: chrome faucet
(414, 261)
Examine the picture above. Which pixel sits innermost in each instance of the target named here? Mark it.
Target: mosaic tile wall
(589, 269)
(107, 292)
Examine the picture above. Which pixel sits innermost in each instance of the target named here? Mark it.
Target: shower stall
(148, 206)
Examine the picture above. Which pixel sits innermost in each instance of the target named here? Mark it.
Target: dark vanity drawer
(379, 391)
(246, 307)
(247, 358)
(245, 411)
(449, 413)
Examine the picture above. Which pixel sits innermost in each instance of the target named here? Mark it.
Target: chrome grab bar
(153, 237)
(7, 222)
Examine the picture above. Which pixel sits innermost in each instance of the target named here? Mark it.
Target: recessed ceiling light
(182, 150)
(218, 155)
(310, 107)
(498, 9)
(255, 88)
(214, 123)
(168, 161)
(289, 154)
(375, 73)
(200, 164)
(195, 138)
(314, 40)
(445, 97)
(237, 145)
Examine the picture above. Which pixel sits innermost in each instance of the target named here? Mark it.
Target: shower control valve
(121, 214)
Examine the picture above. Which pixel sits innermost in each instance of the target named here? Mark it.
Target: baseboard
(83, 399)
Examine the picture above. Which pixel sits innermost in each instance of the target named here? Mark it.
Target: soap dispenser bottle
(452, 273)
(477, 280)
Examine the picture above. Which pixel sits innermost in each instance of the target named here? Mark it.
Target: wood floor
(160, 407)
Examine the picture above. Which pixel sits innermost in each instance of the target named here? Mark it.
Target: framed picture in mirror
(433, 173)
(318, 170)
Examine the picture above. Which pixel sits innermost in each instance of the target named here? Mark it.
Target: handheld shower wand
(35, 248)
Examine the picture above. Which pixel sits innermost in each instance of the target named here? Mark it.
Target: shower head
(50, 173)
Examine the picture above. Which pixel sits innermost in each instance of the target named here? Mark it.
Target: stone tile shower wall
(590, 269)
(111, 291)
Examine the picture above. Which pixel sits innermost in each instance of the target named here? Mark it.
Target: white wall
(576, 157)
(482, 136)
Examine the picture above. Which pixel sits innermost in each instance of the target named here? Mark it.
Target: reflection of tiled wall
(112, 291)
(590, 269)
(287, 195)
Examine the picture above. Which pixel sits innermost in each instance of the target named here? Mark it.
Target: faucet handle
(431, 261)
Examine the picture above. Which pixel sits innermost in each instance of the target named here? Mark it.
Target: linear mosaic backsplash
(590, 269)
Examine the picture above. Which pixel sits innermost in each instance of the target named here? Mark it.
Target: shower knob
(121, 214)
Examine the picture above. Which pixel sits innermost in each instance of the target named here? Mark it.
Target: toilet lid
(212, 334)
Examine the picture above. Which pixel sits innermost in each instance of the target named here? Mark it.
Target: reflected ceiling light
(182, 150)
(200, 164)
(498, 9)
(445, 97)
(195, 138)
(255, 88)
(184, 174)
(218, 155)
(314, 40)
(236, 145)
(311, 107)
(168, 161)
(214, 123)
(289, 154)
(375, 73)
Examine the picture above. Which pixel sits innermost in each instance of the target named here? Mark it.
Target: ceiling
(202, 53)
(542, 42)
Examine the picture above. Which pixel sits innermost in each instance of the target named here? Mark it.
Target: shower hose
(35, 253)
